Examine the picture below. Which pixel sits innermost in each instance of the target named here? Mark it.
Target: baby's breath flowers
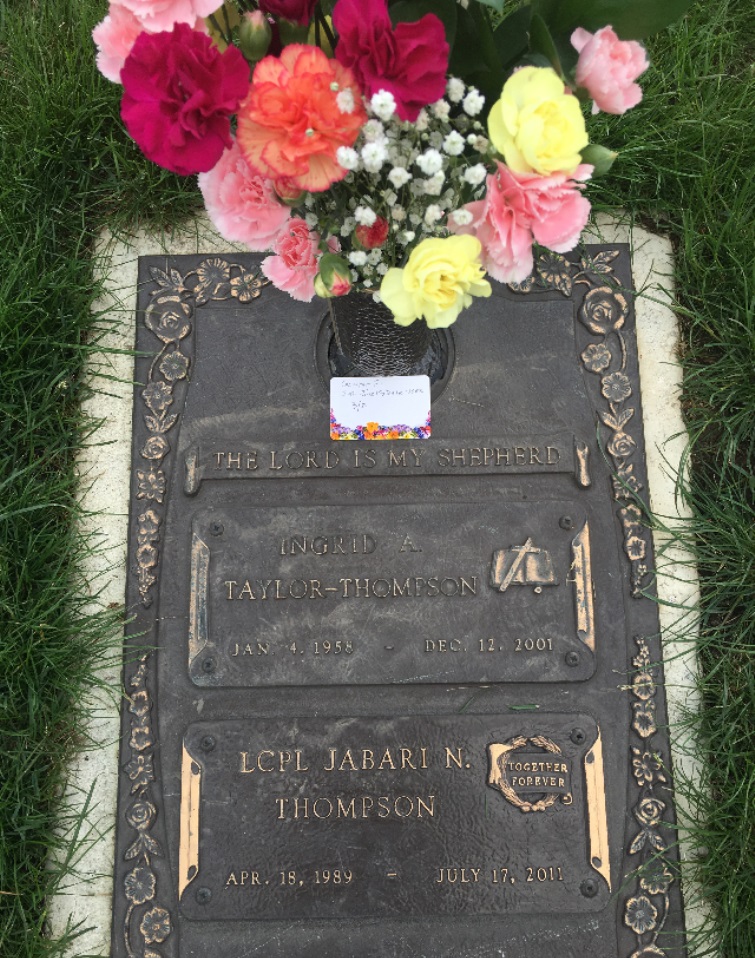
(409, 178)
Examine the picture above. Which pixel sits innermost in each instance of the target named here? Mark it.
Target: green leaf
(512, 36)
(541, 42)
(497, 5)
(465, 55)
(598, 156)
(545, 8)
(408, 11)
(631, 19)
(485, 44)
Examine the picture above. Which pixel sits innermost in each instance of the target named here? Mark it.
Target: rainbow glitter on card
(388, 407)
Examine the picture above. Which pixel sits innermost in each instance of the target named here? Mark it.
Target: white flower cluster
(404, 181)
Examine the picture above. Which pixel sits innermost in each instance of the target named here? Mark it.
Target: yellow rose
(536, 126)
(438, 281)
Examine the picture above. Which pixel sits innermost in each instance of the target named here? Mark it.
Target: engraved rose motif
(621, 444)
(169, 324)
(155, 925)
(596, 357)
(155, 447)
(141, 815)
(139, 886)
(604, 310)
(649, 811)
(640, 914)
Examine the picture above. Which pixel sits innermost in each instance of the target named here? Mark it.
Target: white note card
(385, 407)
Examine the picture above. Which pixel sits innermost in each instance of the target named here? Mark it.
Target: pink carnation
(114, 37)
(409, 60)
(607, 68)
(558, 210)
(294, 265)
(519, 209)
(179, 92)
(243, 205)
(156, 15)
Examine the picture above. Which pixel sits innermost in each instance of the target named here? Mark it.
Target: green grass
(67, 169)
(686, 167)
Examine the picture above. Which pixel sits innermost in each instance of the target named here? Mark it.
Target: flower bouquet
(400, 149)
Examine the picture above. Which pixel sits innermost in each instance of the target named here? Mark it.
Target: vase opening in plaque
(366, 341)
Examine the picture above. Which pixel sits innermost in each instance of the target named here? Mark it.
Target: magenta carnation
(520, 209)
(409, 60)
(242, 205)
(607, 68)
(179, 92)
(298, 11)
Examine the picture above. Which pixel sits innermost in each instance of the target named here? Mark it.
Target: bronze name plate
(372, 817)
(417, 593)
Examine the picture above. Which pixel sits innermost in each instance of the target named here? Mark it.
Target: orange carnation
(300, 108)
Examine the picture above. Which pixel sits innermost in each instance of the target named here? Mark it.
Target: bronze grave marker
(392, 697)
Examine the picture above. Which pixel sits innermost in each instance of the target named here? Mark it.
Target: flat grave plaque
(374, 817)
(396, 697)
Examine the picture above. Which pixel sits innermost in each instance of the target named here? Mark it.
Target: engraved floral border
(603, 311)
(647, 908)
(168, 316)
(152, 921)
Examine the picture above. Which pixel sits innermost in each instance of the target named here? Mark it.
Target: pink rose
(179, 92)
(115, 36)
(519, 209)
(607, 68)
(294, 265)
(157, 15)
(298, 11)
(242, 205)
(409, 60)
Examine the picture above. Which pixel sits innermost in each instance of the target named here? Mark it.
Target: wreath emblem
(550, 785)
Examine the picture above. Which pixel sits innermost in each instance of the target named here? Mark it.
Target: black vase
(368, 342)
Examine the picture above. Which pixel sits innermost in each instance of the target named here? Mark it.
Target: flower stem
(320, 21)
(214, 21)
